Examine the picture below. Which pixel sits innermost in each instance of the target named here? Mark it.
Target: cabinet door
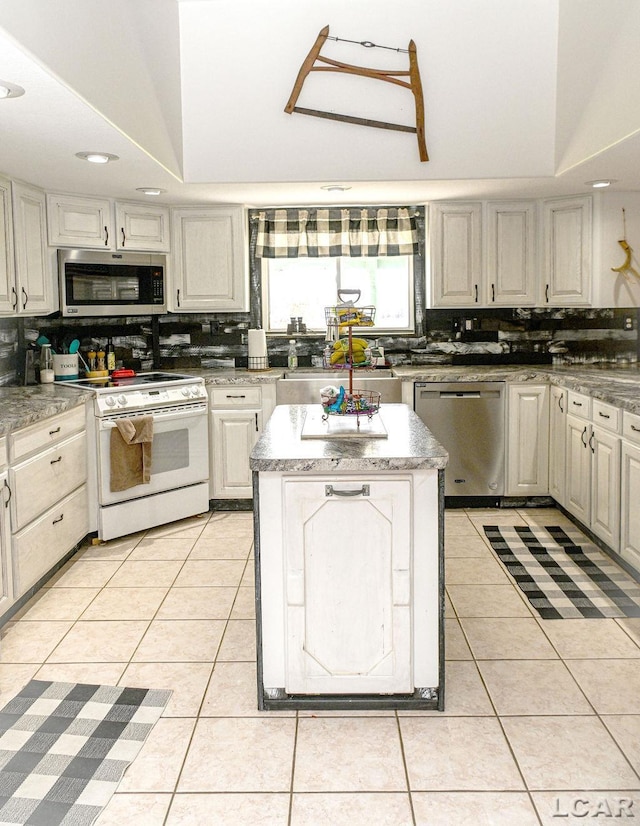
(348, 586)
(209, 260)
(79, 222)
(6, 591)
(578, 469)
(510, 258)
(527, 444)
(567, 251)
(142, 227)
(34, 270)
(8, 295)
(233, 434)
(455, 245)
(629, 510)
(557, 442)
(605, 486)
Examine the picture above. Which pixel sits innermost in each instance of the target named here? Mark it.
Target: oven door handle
(166, 416)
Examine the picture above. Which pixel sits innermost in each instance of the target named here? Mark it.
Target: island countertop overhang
(410, 445)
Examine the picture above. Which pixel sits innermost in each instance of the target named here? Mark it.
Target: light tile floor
(542, 724)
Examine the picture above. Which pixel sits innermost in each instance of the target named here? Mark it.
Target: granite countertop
(619, 387)
(235, 375)
(21, 406)
(409, 446)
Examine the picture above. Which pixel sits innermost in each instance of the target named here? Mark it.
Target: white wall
(612, 289)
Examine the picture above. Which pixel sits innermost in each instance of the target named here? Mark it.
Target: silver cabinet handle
(329, 490)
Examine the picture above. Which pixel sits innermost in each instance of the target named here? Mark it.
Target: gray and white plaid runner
(562, 574)
(64, 748)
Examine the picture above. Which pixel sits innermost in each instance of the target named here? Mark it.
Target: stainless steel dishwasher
(467, 418)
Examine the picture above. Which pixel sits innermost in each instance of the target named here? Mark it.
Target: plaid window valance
(322, 233)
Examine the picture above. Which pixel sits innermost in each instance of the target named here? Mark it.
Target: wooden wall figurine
(414, 84)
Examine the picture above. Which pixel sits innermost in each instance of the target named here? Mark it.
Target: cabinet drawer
(46, 433)
(37, 548)
(235, 395)
(579, 404)
(606, 415)
(44, 479)
(631, 427)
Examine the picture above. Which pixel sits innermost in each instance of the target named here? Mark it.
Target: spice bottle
(292, 359)
(101, 363)
(111, 356)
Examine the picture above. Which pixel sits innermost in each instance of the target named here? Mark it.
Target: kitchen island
(349, 561)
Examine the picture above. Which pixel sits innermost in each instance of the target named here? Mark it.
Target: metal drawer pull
(59, 519)
(636, 429)
(604, 415)
(582, 438)
(55, 461)
(329, 490)
(577, 404)
(235, 397)
(593, 450)
(52, 432)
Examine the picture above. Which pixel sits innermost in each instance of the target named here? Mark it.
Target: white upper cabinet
(209, 267)
(76, 221)
(142, 227)
(510, 254)
(567, 250)
(8, 295)
(455, 244)
(34, 273)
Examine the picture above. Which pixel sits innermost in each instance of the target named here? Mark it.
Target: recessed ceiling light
(150, 190)
(335, 187)
(599, 184)
(97, 157)
(10, 90)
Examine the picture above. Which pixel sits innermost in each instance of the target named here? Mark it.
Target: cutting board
(342, 427)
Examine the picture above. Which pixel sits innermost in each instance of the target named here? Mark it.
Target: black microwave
(100, 283)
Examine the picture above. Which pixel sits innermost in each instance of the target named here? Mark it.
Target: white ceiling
(526, 98)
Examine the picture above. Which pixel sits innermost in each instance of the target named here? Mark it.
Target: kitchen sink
(303, 387)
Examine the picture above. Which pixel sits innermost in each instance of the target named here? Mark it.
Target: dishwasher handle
(460, 394)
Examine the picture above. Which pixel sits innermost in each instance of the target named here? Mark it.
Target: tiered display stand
(345, 316)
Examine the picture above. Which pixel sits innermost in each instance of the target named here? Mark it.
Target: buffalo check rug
(563, 574)
(64, 748)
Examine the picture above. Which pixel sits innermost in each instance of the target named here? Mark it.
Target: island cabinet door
(348, 589)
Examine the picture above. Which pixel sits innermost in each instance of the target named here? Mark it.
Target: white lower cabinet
(47, 497)
(233, 434)
(348, 557)
(578, 469)
(527, 440)
(630, 490)
(236, 418)
(592, 481)
(44, 542)
(605, 486)
(557, 442)
(348, 584)
(6, 589)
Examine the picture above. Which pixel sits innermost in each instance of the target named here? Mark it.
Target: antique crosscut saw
(414, 84)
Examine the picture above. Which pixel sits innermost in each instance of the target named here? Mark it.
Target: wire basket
(349, 315)
(357, 403)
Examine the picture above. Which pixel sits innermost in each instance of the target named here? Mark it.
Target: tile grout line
(406, 769)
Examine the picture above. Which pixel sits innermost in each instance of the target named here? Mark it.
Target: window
(303, 287)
